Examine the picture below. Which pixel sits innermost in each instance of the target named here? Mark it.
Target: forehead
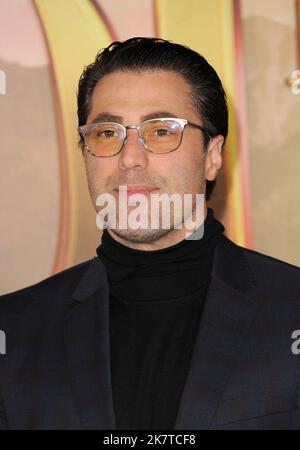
(140, 93)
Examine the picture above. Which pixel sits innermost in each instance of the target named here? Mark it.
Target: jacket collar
(230, 266)
(94, 278)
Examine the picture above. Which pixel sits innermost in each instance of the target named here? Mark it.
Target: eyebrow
(106, 117)
(157, 115)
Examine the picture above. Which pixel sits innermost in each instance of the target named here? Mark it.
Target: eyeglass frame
(182, 122)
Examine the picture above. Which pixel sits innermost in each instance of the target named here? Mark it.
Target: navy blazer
(243, 374)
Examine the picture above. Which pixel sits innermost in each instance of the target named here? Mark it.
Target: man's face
(129, 98)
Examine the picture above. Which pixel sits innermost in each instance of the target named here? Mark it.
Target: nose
(133, 153)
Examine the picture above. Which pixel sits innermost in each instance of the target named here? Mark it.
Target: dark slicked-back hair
(140, 54)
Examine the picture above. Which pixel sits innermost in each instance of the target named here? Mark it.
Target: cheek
(91, 171)
(96, 169)
(195, 159)
(186, 171)
(95, 174)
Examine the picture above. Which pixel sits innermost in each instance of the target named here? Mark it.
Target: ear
(213, 160)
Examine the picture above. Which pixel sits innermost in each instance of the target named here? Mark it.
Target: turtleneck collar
(167, 273)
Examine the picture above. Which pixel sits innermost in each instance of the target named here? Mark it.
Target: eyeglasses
(163, 135)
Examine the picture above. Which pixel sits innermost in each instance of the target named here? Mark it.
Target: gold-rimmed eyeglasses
(162, 135)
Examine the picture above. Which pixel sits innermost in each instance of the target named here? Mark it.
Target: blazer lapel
(86, 334)
(226, 318)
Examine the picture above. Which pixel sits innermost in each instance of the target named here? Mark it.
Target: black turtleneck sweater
(156, 299)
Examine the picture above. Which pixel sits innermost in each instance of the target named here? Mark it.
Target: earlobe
(213, 161)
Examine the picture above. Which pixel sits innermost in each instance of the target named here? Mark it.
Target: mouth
(136, 189)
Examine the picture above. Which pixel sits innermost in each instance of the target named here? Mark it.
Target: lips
(138, 189)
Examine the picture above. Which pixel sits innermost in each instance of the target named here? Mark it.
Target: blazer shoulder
(54, 288)
(267, 267)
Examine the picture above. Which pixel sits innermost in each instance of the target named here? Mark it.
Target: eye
(160, 132)
(106, 133)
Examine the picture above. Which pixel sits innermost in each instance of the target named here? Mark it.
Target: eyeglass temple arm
(205, 130)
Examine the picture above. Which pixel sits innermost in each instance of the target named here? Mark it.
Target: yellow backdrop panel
(208, 27)
(74, 33)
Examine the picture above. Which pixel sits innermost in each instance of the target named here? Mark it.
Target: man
(161, 330)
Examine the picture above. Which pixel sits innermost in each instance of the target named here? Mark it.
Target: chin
(140, 236)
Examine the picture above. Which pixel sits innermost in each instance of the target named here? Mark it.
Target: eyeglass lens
(106, 139)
